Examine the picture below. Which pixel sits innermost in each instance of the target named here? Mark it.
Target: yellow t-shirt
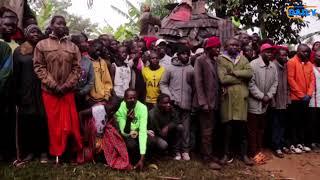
(152, 79)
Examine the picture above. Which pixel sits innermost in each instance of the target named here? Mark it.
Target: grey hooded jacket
(178, 83)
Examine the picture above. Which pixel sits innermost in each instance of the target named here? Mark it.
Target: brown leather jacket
(57, 62)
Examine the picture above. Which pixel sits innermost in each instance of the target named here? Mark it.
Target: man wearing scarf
(57, 64)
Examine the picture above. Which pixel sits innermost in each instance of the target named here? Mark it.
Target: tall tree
(269, 15)
(46, 9)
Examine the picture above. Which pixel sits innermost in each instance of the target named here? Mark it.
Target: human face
(304, 52)
(245, 39)
(114, 45)
(255, 39)
(141, 47)
(130, 99)
(184, 57)
(154, 60)
(34, 36)
(248, 52)
(267, 55)
(161, 49)
(233, 47)
(283, 56)
(165, 105)
(83, 44)
(316, 46)
(9, 23)
(214, 52)
(123, 54)
(59, 27)
(105, 40)
(317, 58)
(95, 50)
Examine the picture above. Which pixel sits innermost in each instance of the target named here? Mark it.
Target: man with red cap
(207, 96)
(262, 87)
(234, 73)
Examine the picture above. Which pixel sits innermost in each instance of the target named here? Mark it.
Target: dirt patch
(297, 167)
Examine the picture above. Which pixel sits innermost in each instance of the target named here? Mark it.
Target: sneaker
(44, 158)
(306, 148)
(177, 157)
(185, 156)
(295, 150)
(279, 153)
(224, 160)
(301, 147)
(286, 150)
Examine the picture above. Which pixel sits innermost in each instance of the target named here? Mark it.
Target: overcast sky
(101, 12)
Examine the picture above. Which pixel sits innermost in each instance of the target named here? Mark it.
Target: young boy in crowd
(102, 88)
(86, 80)
(177, 82)
(121, 73)
(152, 75)
(164, 125)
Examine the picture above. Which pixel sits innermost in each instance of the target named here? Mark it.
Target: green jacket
(139, 124)
(234, 77)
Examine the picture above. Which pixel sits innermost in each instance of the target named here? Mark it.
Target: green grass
(193, 170)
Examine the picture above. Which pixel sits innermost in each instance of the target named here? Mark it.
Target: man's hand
(164, 131)
(266, 99)
(205, 108)
(151, 133)
(306, 98)
(140, 164)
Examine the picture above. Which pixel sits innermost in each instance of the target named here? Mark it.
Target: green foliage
(46, 9)
(269, 15)
(130, 29)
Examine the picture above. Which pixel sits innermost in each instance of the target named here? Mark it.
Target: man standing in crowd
(132, 118)
(314, 134)
(8, 25)
(234, 73)
(177, 82)
(164, 125)
(57, 64)
(121, 73)
(32, 122)
(9, 21)
(302, 85)
(262, 87)
(152, 75)
(161, 46)
(280, 104)
(207, 96)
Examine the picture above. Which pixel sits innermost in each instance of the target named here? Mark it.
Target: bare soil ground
(298, 167)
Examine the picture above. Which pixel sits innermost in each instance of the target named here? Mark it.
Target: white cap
(159, 41)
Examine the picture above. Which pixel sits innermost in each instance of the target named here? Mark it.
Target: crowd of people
(84, 100)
